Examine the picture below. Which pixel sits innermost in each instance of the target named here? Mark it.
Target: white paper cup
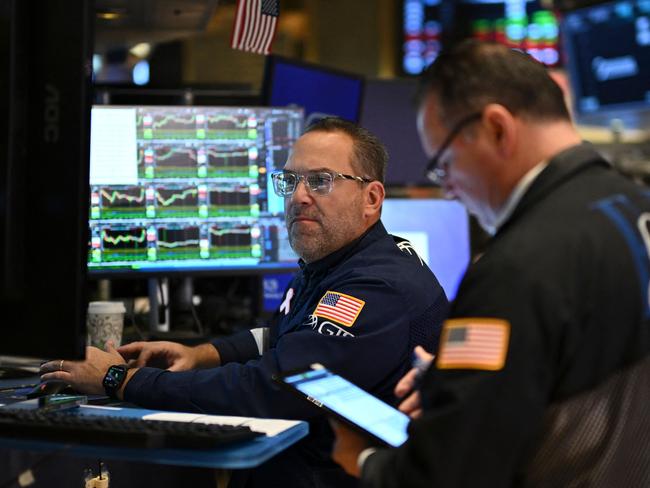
(105, 321)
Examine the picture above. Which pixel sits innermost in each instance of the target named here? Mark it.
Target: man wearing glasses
(359, 304)
(542, 374)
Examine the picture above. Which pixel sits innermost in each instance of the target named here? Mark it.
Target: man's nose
(301, 194)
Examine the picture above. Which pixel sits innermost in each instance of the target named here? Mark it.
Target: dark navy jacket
(397, 301)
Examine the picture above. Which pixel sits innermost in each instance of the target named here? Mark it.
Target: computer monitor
(321, 91)
(431, 25)
(421, 34)
(608, 56)
(45, 54)
(180, 189)
(525, 25)
(390, 114)
(438, 229)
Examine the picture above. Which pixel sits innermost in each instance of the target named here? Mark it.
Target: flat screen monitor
(179, 189)
(430, 25)
(421, 34)
(389, 113)
(45, 56)
(320, 91)
(524, 24)
(608, 56)
(438, 229)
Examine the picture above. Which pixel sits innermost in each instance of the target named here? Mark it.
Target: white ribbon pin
(286, 305)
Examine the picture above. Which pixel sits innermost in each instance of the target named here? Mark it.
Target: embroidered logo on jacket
(406, 246)
(339, 307)
(473, 343)
(326, 327)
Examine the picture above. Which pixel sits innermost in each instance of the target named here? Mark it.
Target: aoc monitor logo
(51, 113)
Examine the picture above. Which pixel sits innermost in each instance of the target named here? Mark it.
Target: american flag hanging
(339, 307)
(254, 27)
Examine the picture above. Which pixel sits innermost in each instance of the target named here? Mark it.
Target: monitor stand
(158, 289)
(168, 318)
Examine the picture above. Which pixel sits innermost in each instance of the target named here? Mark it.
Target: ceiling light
(141, 50)
(111, 14)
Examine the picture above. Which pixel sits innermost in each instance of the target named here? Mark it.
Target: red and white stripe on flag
(254, 27)
(473, 343)
(339, 307)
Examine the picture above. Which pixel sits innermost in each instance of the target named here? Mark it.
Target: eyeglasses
(434, 171)
(285, 182)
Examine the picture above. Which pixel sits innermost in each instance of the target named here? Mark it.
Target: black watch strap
(114, 379)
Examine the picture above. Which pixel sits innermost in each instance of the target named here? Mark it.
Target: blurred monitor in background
(389, 113)
(320, 91)
(608, 58)
(273, 287)
(523, 24)
(428, 26)
(438, 231)
(421, 25)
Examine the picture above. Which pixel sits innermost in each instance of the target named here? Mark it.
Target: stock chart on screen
(188, 188)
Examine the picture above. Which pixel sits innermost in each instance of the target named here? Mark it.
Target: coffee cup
(105, 322)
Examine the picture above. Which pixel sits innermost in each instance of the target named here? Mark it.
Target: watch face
(117, 373)
(114, 378)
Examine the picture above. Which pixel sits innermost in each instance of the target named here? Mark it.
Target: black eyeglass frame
(304, 177)
(433, 171)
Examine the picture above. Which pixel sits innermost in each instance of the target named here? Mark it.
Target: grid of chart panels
(188, 188)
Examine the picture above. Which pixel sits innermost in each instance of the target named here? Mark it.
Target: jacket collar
(562, 167)
(374, 233)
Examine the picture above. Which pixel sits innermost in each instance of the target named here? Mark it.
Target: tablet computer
(347, 402)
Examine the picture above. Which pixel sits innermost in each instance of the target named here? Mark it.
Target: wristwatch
(114, 378)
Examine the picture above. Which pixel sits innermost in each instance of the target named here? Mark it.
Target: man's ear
(502, 128)
(375, 194)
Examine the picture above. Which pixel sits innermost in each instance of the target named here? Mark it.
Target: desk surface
(241, 455)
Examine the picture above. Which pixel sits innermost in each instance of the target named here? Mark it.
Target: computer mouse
(48, 388)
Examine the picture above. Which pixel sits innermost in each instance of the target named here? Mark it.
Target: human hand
(347, 447)
(84, 376)
(406, 387)
(170, 355)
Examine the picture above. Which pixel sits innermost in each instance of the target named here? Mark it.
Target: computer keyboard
(69, 426)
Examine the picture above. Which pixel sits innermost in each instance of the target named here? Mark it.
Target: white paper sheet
(270, 427)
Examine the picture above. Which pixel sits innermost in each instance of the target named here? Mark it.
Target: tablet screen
(353, 404)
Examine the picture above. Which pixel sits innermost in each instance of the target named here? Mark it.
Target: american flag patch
(473, 343)
(341, 308)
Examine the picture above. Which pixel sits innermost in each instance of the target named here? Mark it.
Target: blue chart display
(188, 188)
